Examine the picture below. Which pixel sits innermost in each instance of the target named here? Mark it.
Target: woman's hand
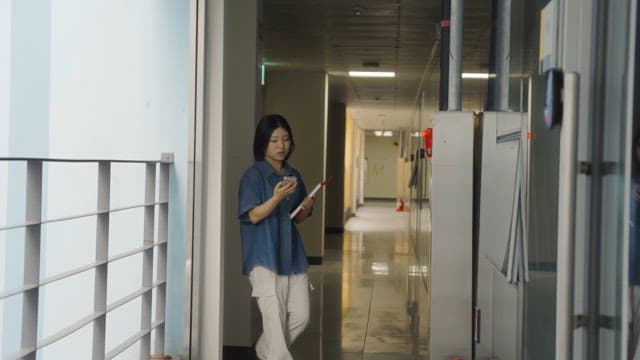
(280, 191)
(307, 204)
(284, 189)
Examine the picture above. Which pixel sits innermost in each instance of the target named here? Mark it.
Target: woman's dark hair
(264, 129)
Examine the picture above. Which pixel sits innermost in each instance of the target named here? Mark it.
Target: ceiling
(400, 35)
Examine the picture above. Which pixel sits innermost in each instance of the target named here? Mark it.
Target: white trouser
(284, 303)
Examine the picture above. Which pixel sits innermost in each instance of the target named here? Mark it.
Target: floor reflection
(370, 300)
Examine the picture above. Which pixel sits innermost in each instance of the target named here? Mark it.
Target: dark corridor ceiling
(400, 35)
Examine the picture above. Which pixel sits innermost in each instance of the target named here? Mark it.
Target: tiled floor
(370, 303)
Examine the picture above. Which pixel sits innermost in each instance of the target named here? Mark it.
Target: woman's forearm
(263, 210)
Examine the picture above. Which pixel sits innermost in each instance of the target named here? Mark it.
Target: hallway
(370, 301)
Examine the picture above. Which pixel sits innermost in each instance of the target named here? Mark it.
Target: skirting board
(333, 230)
(238, 353)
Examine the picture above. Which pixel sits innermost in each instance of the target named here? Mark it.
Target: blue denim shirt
(274, 242)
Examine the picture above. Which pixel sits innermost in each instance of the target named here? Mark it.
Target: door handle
(566, 217)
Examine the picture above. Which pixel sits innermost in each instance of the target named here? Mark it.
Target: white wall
(28, 135)
(5, 45)
(380, 175)
(119, 90)
(113, 84)
(349, 167)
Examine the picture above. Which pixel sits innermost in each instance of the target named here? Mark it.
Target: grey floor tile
(361, 303)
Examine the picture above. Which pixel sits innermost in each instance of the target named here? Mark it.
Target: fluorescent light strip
(385, 133)
(476, 76)
(372, 73)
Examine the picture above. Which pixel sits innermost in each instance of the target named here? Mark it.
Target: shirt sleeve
(249, 194)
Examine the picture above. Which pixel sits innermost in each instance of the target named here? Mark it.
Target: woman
(273, 254)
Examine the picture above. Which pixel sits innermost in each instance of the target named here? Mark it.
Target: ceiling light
(380, 268)
(384, 133)
(476, 76)
(372, 73)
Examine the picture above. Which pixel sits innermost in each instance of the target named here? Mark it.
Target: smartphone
(289, 179)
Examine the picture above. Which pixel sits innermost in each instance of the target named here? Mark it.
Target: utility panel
(452, 223)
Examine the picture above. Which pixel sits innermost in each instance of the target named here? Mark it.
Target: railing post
(161, 266)
(102, 255)
(147, 259)
(33, 215)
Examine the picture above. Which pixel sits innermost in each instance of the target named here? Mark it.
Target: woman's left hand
(308, 202)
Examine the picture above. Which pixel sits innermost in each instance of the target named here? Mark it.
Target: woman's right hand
(284, 189)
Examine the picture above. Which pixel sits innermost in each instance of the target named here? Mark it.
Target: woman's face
(279, 145)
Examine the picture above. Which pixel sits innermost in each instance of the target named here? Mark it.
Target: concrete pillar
(240, 317)
(227, 316)
(301, 97)
(334, 217)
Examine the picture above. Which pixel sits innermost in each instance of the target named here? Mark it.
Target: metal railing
(32, 281)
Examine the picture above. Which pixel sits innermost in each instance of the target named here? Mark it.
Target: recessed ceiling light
(372, 73)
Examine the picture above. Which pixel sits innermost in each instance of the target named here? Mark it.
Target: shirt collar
(266, 169)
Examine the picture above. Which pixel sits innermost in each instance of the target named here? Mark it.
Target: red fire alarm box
(428, 141)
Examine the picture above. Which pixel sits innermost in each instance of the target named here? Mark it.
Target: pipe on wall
(455, 55)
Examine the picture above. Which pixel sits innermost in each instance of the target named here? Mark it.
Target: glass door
(612, 125)
(594, 50)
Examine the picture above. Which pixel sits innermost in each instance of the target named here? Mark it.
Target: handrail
(155, 224)
(80, 269)
(80, 216)
(132, 340)
(122, 301)
(166, 158)
(77, 325)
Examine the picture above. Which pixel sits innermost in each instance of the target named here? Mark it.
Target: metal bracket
(476, 325)
(604, 321)
(580, 321)
(607, 168)
(167, 157)
(610, 167)
(584, 167)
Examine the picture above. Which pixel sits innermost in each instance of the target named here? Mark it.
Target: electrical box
(451, 244)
